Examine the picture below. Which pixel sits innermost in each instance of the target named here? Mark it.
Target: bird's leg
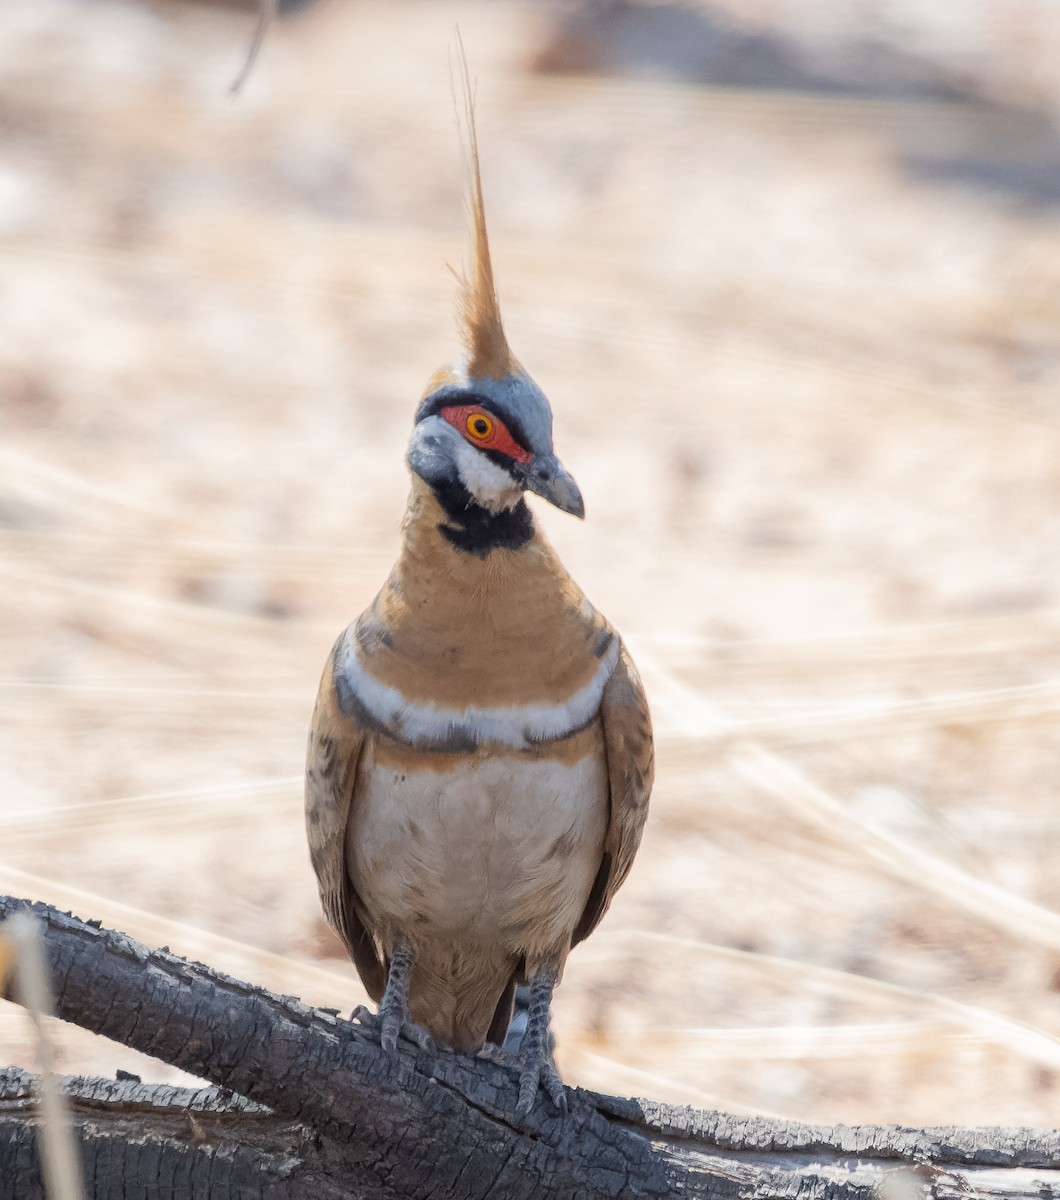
(393, 1008)
(535, 1059)
(393, 1018)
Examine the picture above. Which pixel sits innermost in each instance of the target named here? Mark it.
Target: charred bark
(196, 1143)
(329, 1110)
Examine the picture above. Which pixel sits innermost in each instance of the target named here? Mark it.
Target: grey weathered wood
(196, 1143)
(420, 1125)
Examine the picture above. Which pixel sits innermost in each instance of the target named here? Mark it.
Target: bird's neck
(472, 528)
(446, 523)
(443, 559)
(455, 627)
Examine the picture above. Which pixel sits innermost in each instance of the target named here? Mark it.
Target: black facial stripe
(475, 529)
(509, 530)
(505, 462)
(433, 405)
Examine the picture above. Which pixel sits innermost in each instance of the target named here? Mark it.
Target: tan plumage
(630, 752)
(543, 639)
(480, 758)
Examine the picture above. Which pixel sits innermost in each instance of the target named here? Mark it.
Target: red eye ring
(484, 430)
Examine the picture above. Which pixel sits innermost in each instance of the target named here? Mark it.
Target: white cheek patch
(490, 485)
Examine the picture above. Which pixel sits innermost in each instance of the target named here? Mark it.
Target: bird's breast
(449, 632)
(554, 711)
(489, 847)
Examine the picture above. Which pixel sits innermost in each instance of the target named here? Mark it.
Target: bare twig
(266, 15)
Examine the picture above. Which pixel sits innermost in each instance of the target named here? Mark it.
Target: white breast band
(430, 725)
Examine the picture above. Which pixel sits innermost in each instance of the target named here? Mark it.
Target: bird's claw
(494, 1053)
(534, 1072)
(363, 1015)
(394, 1026)
(539, 1072)
(391, 1026)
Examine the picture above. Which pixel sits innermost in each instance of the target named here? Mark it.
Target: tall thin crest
(480, 312)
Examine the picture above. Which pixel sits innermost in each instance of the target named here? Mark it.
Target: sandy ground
(809, 389)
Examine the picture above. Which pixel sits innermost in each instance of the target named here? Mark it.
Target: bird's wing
(336, 740)
(631, 769)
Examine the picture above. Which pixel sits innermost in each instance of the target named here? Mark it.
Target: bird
(480, 756)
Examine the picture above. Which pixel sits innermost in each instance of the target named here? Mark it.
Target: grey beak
(548, 477)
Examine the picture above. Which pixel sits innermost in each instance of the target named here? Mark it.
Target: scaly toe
(540, 1074)
(496, 1054)
(364, 1016)
(418, 1036)
(552, 1084)
(389, 1031)
(390, 1027)
(393, 1027)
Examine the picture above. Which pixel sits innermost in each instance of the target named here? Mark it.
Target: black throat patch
(476, 530)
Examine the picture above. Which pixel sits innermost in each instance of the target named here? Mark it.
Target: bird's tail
(463, 995)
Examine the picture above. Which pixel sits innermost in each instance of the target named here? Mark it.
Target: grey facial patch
(517, 399)
(430, 452)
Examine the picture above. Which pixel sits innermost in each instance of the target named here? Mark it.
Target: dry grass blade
(887, 1039)
(267, 10)
(1035, 1045)
(974, 635)
(594, 1070)
(679, 711)
(60, 1159)
(145, 810)
(987, 901)
(865, 718)
(56, 485)
(174, 613)
(118, 549)
(621, 99)
(157, 691)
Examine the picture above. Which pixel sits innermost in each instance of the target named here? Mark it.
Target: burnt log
(306, 1104)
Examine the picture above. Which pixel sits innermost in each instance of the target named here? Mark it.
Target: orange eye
(479, 426)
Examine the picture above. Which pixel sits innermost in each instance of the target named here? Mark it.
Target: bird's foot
(496, 1054)
(390, 1026)
(363, 1015)
(395, 1026)
(536, 1071)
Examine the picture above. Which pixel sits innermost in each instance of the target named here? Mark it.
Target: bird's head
(491, 438)
(483, 431)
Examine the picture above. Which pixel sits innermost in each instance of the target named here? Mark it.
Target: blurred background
(789, 273)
